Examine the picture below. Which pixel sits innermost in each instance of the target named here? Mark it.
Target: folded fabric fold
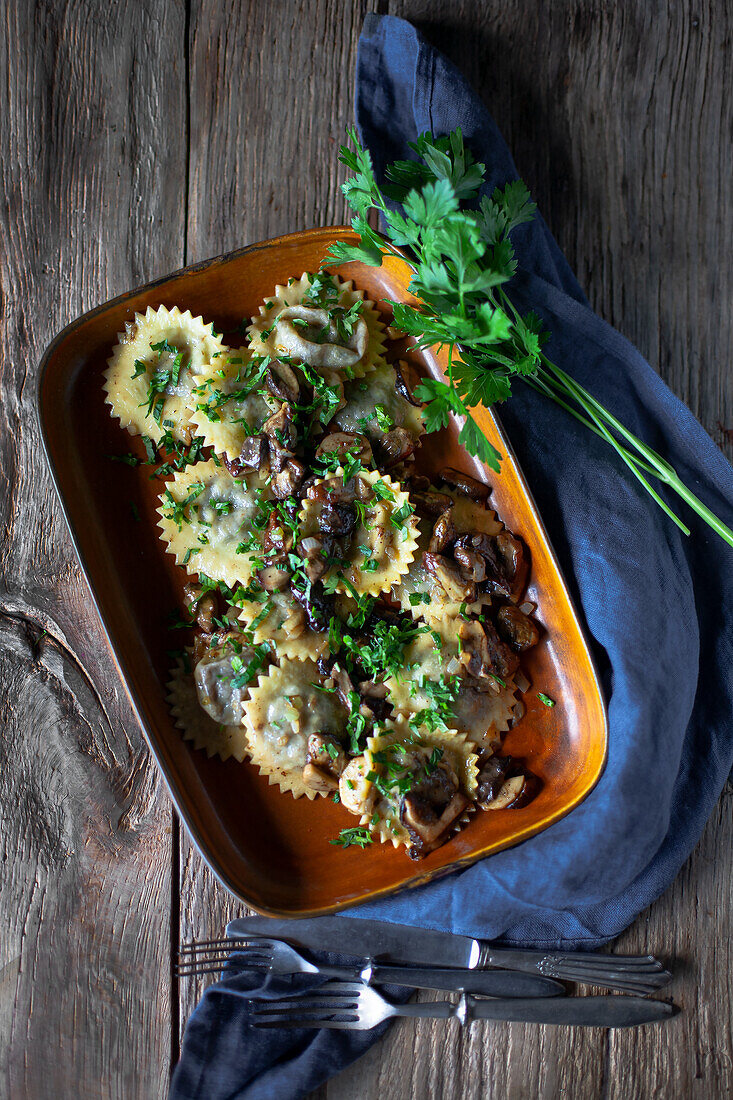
(658, 609)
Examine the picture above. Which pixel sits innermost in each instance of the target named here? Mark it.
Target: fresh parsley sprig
(461, 256)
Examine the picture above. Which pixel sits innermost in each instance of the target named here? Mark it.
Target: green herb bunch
(461, 257)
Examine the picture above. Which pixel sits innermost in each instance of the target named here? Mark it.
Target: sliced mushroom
(287, 481)
(496, 579)
(510, 794)
(253, 456)
(334, 490)
(465, 484)
(491, 776)
(430, 500)
(503, 660)
(394, 447)
(517, 628)
(280, 430)
(401, 368)
(326, 753)
(475, 654)
(319, 780)
(274, 577)
(429, 809)
(282, 382)
(515, 561)
(204, 604)
(443, 533)
(317, 604)
(278, 537)
(473, 563)
(298, 326)
(315, 552)
(356, 793)
(449, 575)
(337, 520)
(345, 444)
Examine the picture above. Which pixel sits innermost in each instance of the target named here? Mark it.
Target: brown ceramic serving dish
(269, 850)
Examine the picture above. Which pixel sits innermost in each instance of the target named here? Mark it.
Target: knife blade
(403, 944)
(487, 983)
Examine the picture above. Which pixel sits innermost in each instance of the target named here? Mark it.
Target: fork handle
(575, 1011)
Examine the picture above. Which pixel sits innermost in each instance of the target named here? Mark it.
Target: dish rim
(210, 857)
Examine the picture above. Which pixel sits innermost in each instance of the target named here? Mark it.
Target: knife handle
(575, 1011)
(628, 973)
(489, 983)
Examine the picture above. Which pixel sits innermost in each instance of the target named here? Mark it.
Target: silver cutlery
(212, 956)
(403, 944)
(348, 1006)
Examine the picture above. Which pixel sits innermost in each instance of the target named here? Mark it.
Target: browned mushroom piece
(254, 455)
(450, 576)
(280, 430)
(496, 579)
(511, 552)
(315, 552)
(202, 604)
(317, 604)
(430, 500)
(443, 533)
(401, 384)
(473, 563)
(333, 490)
(288, 480)
(220, 686)
(274, 577)
(517, 628)
(375, 698)
(395, 446)
(514, 792)
(504, 661)
(327, 753)
(342, 682)
(337, 520)
(475, 654)
(345, 444)
(429, 809)
(465, 484)
(282, 382)
(491, 776)
(319, 780)
(278, 536)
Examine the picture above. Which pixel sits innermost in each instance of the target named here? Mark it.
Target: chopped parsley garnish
(349, 838)
(384, 420)
(545, 699)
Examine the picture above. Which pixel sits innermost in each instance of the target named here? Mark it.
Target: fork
(350, 1006)
(276, 957)
(628, 975)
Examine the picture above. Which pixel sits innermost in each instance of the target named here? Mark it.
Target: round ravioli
(288, 705)
(432, 680)
(425, 763)
(323, 321)
(278, 618)
(383, 541)
(374, 407)
(207, 519)
(215, 738)
(230, 402)
(153, 369)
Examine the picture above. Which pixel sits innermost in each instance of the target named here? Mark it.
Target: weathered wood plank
(270, 102)
(92, 177)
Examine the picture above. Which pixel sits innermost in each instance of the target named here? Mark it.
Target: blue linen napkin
(658, 609)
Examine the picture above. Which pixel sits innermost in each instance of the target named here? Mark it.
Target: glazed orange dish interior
(355, 627)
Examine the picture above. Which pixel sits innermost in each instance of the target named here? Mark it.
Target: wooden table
(141, 136)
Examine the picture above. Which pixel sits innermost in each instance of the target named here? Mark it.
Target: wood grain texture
(141, 135)
(92, 177)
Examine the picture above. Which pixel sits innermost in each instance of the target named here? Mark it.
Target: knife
(399, 943)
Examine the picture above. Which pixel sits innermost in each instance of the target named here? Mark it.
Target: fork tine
(225, 944)
(330, 1024)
